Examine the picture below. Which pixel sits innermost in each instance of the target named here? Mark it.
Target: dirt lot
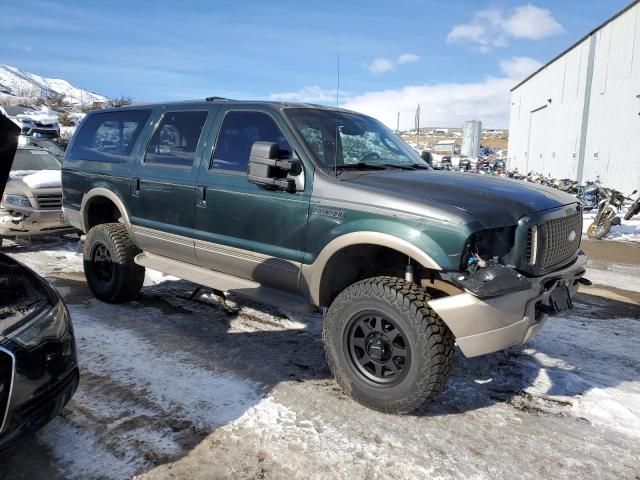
(178, 388)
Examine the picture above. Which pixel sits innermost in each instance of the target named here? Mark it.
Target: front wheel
(385, 346)
(109, 265)
(601, 225)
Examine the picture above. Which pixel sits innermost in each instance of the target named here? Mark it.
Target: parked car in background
(38, 365)
(32, 122)
(51, 146)
(315, 208)
(32, 201)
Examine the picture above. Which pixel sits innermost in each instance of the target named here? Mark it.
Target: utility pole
(417, 124)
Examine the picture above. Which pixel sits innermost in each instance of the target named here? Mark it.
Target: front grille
(530, 245)
(561, 239)
(6, 380)
(49, 201)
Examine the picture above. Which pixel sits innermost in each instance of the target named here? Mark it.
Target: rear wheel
(633, 210)
(385, 346)
(109, 265)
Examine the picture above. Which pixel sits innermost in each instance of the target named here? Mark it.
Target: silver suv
(32, 200)
(32, 122)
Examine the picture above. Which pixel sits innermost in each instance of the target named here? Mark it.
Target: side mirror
(267, 170)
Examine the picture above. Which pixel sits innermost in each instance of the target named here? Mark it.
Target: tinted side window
(175, 140)
(109, 136)
(238, 133)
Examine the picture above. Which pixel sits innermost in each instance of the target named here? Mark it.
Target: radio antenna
(338, 84)
(337, 138)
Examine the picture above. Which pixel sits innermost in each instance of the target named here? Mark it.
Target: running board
(225, 283)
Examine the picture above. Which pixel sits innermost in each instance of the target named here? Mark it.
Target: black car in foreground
(38, 366)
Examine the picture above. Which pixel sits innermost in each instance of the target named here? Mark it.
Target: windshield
(27, 159)
(48, 145)
(343, 140)
(16, 110)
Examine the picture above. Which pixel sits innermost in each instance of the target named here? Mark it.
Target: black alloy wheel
(377, 348)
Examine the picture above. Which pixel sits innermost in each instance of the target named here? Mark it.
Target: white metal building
(471, 132)
(579, 115)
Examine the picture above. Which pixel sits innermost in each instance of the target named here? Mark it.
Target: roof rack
(211, 99)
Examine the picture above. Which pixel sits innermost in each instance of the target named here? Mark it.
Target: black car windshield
(34, 159)
(342, 140)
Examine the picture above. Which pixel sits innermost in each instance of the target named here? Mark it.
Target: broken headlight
(488, 247)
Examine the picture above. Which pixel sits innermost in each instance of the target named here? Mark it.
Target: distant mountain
(17, 83)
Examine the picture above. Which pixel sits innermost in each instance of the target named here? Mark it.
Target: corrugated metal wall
(547, 118)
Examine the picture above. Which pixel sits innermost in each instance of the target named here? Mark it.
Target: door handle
(135, 187)
(202, 197)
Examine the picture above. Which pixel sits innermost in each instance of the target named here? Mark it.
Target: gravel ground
(179, 388)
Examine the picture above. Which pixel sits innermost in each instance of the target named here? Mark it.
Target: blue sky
(456, 58)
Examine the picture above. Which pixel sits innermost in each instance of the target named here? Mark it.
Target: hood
(494, 201)
(34, 179)
(41, 117)
(9, 132)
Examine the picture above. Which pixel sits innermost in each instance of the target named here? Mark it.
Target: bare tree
(119, 101)
(57, 101)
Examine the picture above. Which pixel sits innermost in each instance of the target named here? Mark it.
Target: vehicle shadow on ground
(273, 355)
(67, 243)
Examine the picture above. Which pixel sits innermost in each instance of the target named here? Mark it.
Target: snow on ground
(627, 231)
(173, 387)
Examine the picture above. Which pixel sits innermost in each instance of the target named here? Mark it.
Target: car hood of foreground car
(494, 201)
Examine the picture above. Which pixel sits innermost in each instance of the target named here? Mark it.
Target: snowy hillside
(17, 83)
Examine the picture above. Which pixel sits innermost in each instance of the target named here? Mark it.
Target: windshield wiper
(359, 166)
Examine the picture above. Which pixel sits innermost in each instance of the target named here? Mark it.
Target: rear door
(242, 229)
(163, 189)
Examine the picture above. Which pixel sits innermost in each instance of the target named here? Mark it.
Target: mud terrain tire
(367, 325)
(111, 273)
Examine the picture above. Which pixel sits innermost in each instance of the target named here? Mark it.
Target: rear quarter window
(109, 137)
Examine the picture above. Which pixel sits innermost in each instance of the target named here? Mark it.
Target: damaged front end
(512, 278)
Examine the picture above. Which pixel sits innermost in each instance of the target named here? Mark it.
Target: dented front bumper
(32, 222)
(486, 325)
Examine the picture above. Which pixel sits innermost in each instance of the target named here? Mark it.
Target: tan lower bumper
(487, 325)
(35, 222)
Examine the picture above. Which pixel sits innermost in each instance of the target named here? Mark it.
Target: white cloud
(442, 104)
(493, 28)
(532, 23)
(310, 94)
(448, 104)
(519, 68)
(380, 65)
(407, 58)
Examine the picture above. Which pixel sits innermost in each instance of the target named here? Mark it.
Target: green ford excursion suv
(313, 208)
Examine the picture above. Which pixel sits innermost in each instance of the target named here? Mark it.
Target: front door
(164, 190)
(242, 229)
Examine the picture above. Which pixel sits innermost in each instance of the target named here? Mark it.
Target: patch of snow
(624, 277)
(153, 277)
(44, 179)
(627, 231)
